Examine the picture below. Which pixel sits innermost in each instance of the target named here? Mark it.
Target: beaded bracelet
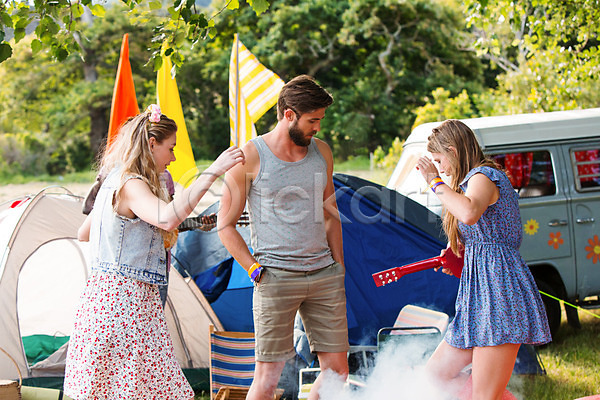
(435, 182)
(255, 272)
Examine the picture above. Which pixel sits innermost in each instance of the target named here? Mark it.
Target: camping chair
(232, 364)
(415, 326)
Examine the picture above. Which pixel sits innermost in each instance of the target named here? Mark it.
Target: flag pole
(237, 90)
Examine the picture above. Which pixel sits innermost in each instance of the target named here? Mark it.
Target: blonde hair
(458, 144)
(131, 153)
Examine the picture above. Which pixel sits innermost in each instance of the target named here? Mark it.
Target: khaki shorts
(319, 295)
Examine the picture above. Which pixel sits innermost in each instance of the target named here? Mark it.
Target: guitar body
(453, 262)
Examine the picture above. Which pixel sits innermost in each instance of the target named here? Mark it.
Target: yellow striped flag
(253, 89)
(184, 168)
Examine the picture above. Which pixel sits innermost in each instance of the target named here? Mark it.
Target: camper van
(553, 162)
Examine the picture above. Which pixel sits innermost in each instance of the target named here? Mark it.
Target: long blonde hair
(131, 153)
(457, 142)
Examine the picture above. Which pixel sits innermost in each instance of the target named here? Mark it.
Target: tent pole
(237, 91)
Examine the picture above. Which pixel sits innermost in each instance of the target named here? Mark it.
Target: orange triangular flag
(124, 103)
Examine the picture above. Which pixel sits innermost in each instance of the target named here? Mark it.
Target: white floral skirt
(120, 347)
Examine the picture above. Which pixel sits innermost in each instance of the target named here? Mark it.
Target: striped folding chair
(415, 325)
(231, 361)
(231, 364)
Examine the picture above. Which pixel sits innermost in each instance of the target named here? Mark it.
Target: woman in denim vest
(120, 347)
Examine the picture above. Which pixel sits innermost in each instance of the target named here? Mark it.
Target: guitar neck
(193, 223)
(382, 278)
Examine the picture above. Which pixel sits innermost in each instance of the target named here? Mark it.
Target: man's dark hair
(303, 95)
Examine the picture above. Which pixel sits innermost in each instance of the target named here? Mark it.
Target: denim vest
(125, 246)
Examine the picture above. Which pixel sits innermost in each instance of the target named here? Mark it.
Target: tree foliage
(65, 106)
(57, 28)
(442, 106)
(389, 65)
(548, 51)
(379, 58)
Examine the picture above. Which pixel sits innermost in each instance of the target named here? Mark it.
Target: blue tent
(381, 229)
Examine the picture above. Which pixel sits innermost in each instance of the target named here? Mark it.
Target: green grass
(361, 167)
(571, 361)
(203, 164)
(74, 177)
(353, 163)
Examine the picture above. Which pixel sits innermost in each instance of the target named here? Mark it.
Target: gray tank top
(285, 204)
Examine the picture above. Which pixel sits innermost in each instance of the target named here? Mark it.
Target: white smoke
(398, 374)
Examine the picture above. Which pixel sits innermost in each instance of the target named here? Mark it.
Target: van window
(530, 173)
(586, 165)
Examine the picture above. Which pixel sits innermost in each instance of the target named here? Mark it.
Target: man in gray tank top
(296, 234)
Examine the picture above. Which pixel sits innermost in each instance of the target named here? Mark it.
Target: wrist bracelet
(436, 185)
(435, 179)
(255, 271)
(435, 182)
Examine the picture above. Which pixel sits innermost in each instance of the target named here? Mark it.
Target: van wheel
(552, 307)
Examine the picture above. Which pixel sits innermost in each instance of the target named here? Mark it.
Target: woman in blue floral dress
(498, 306)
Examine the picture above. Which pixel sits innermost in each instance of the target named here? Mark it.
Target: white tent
(43, 269)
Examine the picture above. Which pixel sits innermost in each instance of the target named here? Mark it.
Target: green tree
(404, 50)
(380, 59)
(203, 83)
(31, 94)
(57, 28)
(547, 51)
(442, 107)
(66, 105)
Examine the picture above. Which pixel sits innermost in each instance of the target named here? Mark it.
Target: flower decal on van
(531, 227)
(555, 240)
(593, 249)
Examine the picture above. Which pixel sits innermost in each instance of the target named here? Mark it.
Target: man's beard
(297, 136)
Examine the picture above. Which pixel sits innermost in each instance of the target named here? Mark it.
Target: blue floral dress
(498, 301)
